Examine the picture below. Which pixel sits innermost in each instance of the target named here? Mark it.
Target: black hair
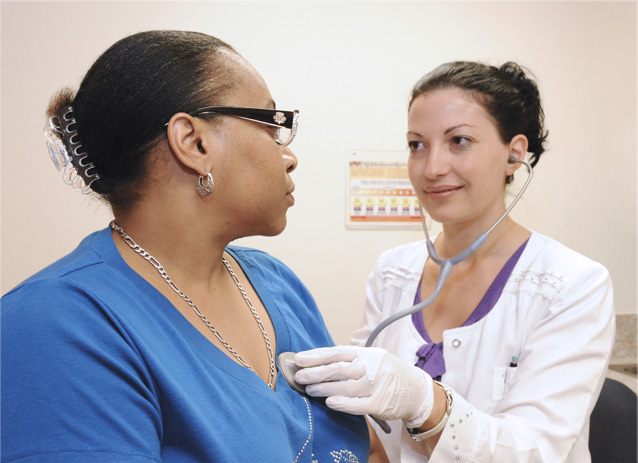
(129, 94)
(508, 94)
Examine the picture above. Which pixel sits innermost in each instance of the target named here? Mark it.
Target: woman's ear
(192, 141)
(518, 150)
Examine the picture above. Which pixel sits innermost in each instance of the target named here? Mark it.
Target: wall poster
(380, 195)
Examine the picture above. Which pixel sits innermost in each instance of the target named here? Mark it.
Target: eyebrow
(453, 128)
(447, 131)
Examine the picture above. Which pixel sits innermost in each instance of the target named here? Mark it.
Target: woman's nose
(436, 164)
(290, 160)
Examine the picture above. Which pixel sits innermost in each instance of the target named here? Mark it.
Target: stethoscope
(287, 366)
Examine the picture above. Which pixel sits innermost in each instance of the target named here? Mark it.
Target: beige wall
(348, 66)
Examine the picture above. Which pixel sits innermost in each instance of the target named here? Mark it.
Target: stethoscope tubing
(446, 267)
(447, 264)
(286, 362)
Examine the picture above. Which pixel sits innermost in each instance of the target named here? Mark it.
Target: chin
(443, 214)
(275, 229)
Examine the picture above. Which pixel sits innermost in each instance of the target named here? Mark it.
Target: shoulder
(79, 287)
(545, 253)
(65, 309)
(85, 255)
(562, 277)
(409, 255)
(402, 263)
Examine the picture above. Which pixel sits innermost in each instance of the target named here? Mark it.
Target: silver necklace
(155, 263)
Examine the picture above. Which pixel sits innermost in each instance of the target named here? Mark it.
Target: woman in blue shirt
(155, 340)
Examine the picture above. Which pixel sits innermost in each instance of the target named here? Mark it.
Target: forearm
(377, 452)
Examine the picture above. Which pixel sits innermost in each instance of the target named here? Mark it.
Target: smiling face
(252, 173)
(458, 162)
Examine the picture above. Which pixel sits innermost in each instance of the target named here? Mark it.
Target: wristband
(419, 436)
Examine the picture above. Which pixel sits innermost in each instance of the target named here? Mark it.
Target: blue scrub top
(99, 366)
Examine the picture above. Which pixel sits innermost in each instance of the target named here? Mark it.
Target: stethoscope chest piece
(288, 368)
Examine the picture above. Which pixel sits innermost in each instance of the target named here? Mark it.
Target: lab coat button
(456, 342)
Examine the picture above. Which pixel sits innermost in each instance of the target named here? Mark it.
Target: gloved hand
(367, 381)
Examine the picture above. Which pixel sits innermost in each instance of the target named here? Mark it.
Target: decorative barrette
(67, 153)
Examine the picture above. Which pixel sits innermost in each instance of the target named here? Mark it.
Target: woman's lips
(290, 196)
(441, 192)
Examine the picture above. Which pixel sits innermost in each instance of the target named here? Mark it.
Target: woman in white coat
(519, 339)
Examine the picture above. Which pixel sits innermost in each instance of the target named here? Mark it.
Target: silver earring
(205, 190)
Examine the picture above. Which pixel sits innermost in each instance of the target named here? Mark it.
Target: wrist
(435, 423)
(439, 409)
(423, 401)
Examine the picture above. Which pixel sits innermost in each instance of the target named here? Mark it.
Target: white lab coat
(555, 314)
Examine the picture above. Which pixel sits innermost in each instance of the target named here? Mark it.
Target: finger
(325, 355)
(333, 372)
(352, 405)
(351, 388)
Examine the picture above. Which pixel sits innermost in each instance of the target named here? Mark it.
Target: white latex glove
(367, 381)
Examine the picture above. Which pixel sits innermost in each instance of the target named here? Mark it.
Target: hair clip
(65, 150)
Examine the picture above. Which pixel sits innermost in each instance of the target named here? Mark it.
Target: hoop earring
(205, 190)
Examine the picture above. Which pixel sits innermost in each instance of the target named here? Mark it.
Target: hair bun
(522, 80)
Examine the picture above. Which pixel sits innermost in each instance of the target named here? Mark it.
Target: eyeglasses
(284, 122)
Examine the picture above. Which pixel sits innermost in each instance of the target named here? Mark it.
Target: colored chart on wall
(379, 194)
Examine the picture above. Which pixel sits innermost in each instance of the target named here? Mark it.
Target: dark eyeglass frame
(275, 118)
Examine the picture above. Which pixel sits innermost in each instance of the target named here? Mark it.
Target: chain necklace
(155, 263)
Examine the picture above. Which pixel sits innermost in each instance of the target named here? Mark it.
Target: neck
(455, 239)
(188, 253)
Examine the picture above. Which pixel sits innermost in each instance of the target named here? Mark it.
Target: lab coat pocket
(502, 378)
